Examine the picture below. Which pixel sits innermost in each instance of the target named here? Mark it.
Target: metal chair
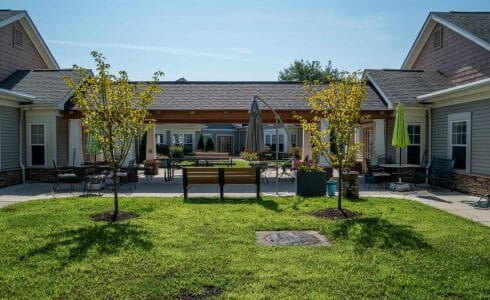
(67, 176)
(124, 175)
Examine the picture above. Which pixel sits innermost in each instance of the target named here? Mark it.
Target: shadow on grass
(268, 204)
(76, 244)
(374, 232)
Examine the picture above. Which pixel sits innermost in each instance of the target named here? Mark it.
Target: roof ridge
(218, 82)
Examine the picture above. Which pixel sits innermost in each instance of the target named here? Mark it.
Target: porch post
(150, 144)
(379, 141)
(307, 151)
(75, 142)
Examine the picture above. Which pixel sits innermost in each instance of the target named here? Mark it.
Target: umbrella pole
(277, 157)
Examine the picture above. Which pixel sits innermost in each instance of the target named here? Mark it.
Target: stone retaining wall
(10, 177)
(467, 183)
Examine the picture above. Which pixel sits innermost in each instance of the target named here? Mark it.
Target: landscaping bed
(207, 248)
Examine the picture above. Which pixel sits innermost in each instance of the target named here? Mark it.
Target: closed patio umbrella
(400, 132)
(93, 146)
(254, 141)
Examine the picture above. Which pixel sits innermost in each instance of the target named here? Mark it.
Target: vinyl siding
(9, 138)
(480, 133)
(62, 141)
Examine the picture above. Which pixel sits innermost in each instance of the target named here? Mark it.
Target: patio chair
(124, 175)
(374, 175)
(439, 168)
(67, 176)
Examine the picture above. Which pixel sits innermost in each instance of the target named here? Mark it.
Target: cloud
(168, 50)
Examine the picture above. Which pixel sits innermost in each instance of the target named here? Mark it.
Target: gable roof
(474, 26)
(404, 86)
(10, 16)
(47, 86)
(222, 95)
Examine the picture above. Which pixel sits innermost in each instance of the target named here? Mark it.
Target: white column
(151, 153)
(379, 142)
(75, 143)
(307, 151)
(322, 160)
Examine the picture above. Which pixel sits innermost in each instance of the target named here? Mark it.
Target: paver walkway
(451, 202)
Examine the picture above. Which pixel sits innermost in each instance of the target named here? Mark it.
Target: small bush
(200, 143)
(249, 156)
(296, 151)
(177, 151)
(266, 155)
(209, 145)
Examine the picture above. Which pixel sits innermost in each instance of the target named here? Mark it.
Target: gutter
(460, 88)
(17, 96)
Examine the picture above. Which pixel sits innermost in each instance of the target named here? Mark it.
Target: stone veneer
(468, 183)
(10, 177)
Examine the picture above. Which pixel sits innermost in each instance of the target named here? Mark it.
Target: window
(413, 149)
(459, 126)
(160, 139)
(437, 36)
(18, 39)
(37, 144)
(294, 140)
(183, 139)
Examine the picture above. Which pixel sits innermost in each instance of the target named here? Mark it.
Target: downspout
(21, 145)
(429, 135)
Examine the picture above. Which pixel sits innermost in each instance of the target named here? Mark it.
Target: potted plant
(311, 179)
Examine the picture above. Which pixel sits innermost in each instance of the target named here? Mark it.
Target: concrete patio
(443, 199)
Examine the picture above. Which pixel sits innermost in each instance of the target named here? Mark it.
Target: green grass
(398, 249)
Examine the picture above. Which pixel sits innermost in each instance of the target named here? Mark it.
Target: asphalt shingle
(7, 13)
(47, 86)
(404, 86)
(239, 95)
(477, 23)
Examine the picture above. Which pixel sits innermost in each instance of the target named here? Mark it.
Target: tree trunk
(115, 186)
(339, 198)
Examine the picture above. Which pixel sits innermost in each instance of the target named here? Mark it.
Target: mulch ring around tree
(335, 214)
(207, 291)
(108, 216)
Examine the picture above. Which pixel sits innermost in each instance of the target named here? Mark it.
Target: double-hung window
(413, 149)
(160, 139)
(38, 145)
(459, 127)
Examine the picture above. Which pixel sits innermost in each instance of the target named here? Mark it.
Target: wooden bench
(220, 176)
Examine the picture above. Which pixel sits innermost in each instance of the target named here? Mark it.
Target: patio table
(401, 171)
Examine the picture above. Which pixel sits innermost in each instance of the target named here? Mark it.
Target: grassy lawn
(397, 249)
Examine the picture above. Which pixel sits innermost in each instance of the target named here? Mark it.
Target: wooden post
(257, 181)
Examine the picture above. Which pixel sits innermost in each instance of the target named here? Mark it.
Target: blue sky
(232, 40)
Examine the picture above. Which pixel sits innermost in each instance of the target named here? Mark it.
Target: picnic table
(170, 164)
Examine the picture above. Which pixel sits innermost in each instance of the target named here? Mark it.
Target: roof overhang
(35, 37)
(425, 33)
(388, 102)
(21, 98)
(469, 92)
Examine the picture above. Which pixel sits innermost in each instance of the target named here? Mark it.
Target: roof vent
(182, 79)
(437, 36)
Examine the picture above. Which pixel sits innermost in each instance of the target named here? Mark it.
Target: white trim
(380, 91)
(468, 87)
(425, 32)
(29, 144)
(34, 36)
(421, 143)
(16, 96)
(460, 117)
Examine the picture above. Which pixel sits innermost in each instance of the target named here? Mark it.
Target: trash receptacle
(331, 187)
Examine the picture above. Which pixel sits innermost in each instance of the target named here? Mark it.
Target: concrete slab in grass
(291, 238)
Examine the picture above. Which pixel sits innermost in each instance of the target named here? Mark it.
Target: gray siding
(9, 138)
(480, 133)
(62, 141)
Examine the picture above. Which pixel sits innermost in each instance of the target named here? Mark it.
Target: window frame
(420, 144)
(157, 136)
(454, 118)
(37, 144)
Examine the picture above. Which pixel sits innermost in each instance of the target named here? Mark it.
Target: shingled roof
(404, 85)
(192, 95)
(7, 13)
(476, 23)
(47, 86)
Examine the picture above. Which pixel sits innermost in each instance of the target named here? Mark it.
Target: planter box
(311, 184)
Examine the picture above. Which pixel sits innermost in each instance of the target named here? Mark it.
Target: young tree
(301, 70)
(209, 145)
(200, 143)
(340, 105)
(114, 111)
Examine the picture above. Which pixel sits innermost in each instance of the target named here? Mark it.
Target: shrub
(249, 156)
(266, 155)
(163, 149)
(177, 151)
(308, 166)
(200, 143)
(296, 151)
(209, 144)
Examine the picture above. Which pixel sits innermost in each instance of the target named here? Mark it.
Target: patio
(443, 199)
